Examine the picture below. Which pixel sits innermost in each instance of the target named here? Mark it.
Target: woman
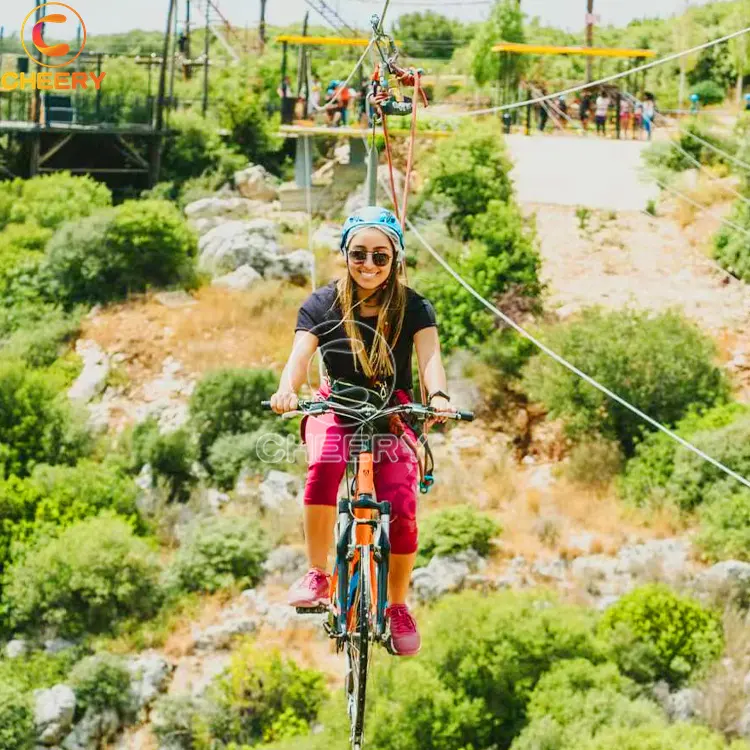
(366, 326)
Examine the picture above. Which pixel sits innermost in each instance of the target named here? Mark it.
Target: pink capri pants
(396, 472)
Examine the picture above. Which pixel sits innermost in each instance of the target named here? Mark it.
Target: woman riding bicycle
(366, 326)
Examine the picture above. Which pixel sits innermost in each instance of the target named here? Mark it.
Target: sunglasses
(379, 258)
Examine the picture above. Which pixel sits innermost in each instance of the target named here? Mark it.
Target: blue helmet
(380, 218)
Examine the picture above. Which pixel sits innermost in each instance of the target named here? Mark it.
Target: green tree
(428, 34)
(505, 24)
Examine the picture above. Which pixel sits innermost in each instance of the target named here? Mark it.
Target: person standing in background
(600, 113)
(649, 113)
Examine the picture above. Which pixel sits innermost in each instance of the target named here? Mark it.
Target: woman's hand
(284, 401)
(442, 405)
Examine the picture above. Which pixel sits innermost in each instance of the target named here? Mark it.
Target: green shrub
(468, 171)
(725, 527)
(41, 344)
(502, 264)
(16, 719)
(230, 453)
(594, 462)
(660, 635)
(102, 683)
(660, 363)
(38, 670)
(218, 553)
(37, 424)
(228, 402)
(455, 530)
(176, 720)
(681, 735)
(138, 245)
(575, 700)
(171, 456)
(481, 660)
(263, 697)
(731, 248)
(709, 92)
(94, 574)
(51, 200)
(647, 474)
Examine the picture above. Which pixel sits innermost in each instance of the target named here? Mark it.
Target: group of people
(338, 102)
(638, 116)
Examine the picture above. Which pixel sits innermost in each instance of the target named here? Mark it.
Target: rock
(240, 280)
(463, 389)
(57, 645)
(278, 490)
(293, 222)
(147, 497)
(256, 183)
(237, 243)
(683, 705)
(175, 299)
(605, 602)
(149, 676)
(743, 724)
(295, 267)
(93, 730)
(443, 575)
(596, 573)
(726, 578)
(554, 569)
(15, 648)
(216, 207)
(94, 375)
(246, 485)
(53, 713)
(217, 637)
(581, 542)
(286, 564)
(216, 499)
(327, 237)
(660, 558)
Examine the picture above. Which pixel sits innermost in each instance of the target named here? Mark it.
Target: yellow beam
(323, 41)
(546, 49)
(347, 132)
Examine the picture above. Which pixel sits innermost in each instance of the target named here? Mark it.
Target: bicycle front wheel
(358, 651)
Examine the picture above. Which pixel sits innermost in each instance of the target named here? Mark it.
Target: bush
(467, 172)
(37, 424)
(657, 634)
(662, 364)
(264, 697)
(649, 471)
(681, 735)
(575, 699)
(38, 669)
(16, 719)
(594, 462)
(731, 248)
(502, 264)
(455, 530)
(94, 574)
(176, 720)
(725, 528)
(482, 658)
(51, 200)
(170, 455)
(218, 553)
(138, 245)
(102, 683)
(228, 402)
(709, 92)
(41, 344)
(230, 453)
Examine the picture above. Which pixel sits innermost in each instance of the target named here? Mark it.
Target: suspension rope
(575, 370)
(601, 81)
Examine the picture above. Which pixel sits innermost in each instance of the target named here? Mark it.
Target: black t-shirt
(321, 315)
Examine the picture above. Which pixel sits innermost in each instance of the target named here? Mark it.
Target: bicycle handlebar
(419, 410)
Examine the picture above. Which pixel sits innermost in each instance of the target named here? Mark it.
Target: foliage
(41, 343)
(649, 470)
(170, 455)
(16, 719)
(731, 248)
(469, 171)
(37, 425)
(575, 699)
(448, 532)
(657, 634)
(662, 737)
(594, 462)
(709, 92)
(51, 200)
(264, 697)
(481, 660)
(228, 402)
(725, 527)
(95, 573)
(429, 34)
(504, 23)
(219, 552)
(101, 683)
(138, 245)
(230, 453)
(660, 363)
(696, 143)
(176, 719)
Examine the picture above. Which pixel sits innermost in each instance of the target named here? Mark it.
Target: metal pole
(99, 90)
(163, 70)
(205, 63)
(372, 176)
(528, 115)
(187, 32)
(36, 114)
(589, 38)
(173, 62)
(262, 26)
(618, 104)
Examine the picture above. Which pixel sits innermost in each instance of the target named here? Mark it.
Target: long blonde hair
(378, 363)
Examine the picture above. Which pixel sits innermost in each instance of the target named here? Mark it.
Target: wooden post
(589, 38)
(205, 64)
(262, 26)
(618, 102)
(528, 115)
(156, 145)
(99, 90)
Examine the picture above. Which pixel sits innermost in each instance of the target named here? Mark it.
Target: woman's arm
(295, 372)
(434, 379)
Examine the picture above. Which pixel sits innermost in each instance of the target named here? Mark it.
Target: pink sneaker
(313, 589)
(405, 638)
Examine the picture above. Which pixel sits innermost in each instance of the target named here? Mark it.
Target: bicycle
(359, 585)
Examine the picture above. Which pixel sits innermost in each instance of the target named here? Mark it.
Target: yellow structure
(323, 41)
(548, 49)
(296, 131)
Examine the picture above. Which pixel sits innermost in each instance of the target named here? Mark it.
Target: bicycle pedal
(321, 609)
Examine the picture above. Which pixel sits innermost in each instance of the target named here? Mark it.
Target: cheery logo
(41, 48)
